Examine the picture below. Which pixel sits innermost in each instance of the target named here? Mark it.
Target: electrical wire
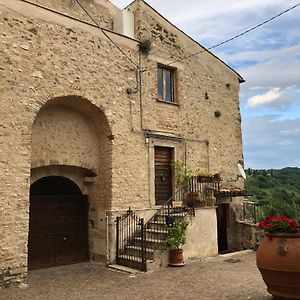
(106, 35)
(234, 37)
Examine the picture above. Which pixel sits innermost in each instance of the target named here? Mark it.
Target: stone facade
(66, 110)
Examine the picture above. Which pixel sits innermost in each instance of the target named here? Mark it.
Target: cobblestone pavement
(224, 277)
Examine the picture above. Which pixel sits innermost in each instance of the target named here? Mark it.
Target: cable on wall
(106, 35)
(234, 37)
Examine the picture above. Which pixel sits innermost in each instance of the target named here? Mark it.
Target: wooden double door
(163, 174)
(58, 230)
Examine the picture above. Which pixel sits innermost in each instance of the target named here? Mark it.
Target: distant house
(91, 119)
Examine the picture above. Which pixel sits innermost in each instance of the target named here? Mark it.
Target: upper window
(166, 87)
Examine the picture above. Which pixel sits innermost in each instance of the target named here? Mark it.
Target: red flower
(281, 224)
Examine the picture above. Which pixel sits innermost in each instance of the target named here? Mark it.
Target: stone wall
(101, 10)
(40, 62)
(218, 140)
(45, 60)
(62, 136)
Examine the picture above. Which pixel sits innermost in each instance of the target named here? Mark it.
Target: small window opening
(166, 86)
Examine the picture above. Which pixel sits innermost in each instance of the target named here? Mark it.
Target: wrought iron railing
(130, 241)
(173, 210)
(256, 211)
(183, 201)
(136, 241)
(202, 193)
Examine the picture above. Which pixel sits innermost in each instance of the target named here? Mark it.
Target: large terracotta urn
(278, 259)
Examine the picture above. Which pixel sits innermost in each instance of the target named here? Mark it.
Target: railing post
(143, 243)
(117, 238)
(255, 218)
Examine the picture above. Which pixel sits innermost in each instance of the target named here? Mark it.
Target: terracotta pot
(176, 258)
(278, 260)
(204, 179)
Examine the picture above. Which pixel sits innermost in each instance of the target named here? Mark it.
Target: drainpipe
(140, 90)
(107, 241)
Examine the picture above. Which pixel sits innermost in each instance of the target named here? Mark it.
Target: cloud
(281, 72)
(262, 55)
(268, 98)
(270, 142)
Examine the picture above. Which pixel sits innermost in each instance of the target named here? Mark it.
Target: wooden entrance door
(58, 230)
(222, 217)
(163, 174)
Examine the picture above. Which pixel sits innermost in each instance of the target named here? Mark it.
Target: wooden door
(58, 230)
(163, 174)
(222, 218)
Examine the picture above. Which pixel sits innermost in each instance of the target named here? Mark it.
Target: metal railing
(130, 241)
(256, 211)
(136, 241)
(172, 211)
(201, 193)
(182, 202)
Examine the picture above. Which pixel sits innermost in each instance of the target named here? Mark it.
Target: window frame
(173, 80)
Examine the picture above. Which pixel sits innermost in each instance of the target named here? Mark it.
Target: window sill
(167, 102)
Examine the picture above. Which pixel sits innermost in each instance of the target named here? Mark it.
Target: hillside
(277, 188)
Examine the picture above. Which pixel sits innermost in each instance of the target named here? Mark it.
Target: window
(166, 84)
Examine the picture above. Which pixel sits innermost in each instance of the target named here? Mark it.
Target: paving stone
(211, 279)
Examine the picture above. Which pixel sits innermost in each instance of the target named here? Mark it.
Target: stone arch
(71, 137)
(54, 185)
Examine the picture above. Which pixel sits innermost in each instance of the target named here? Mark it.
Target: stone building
(86, 112)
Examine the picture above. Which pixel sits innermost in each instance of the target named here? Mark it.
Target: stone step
(137, 251)
(123, 269)
(131, 262)
(150, 243)
(157, 224)
(176, 217)
(156, 234)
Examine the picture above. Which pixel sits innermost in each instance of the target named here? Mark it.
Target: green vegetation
(275, 191)
(176, 235)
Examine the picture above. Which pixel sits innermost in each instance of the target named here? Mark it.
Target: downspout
(108, 261)
(208, 158)
(140, 90)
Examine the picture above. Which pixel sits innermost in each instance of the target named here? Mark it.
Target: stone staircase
(145, 246)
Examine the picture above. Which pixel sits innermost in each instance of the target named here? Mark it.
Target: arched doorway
(58, 223)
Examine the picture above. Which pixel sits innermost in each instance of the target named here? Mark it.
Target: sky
(267, 58)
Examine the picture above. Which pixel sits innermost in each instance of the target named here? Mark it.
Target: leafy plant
(182, 173)
(176, 235)
(145, 46)
(204, 174)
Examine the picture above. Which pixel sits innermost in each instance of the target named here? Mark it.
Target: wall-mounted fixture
(111, 137)
(217, 114)
(131, 91)
(228, 86)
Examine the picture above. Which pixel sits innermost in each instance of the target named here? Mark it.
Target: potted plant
(175, 240)
(193, 199)
(217, 177)
(203, 177)
(278, 256)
